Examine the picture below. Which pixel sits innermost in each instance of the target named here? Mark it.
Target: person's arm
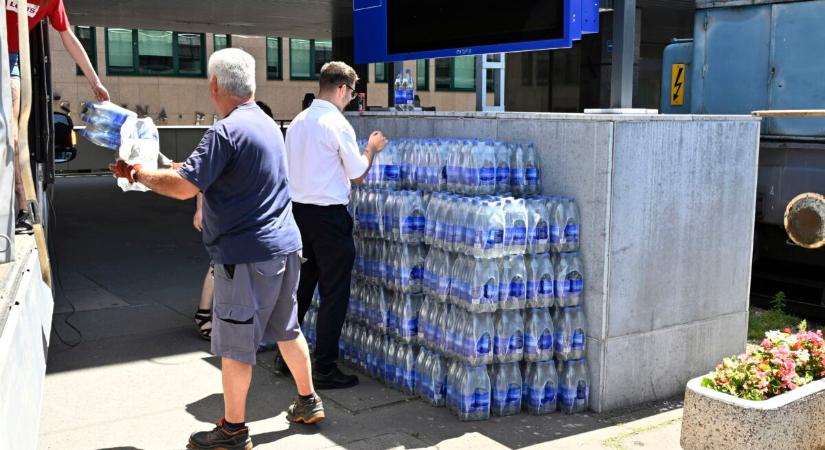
(375, 145)
(166, 182)
(78, 53)
(197, 219)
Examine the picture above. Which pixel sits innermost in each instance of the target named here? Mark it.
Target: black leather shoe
(281, 368)
(334, 379)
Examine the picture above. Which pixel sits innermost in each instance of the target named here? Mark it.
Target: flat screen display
(425, 25)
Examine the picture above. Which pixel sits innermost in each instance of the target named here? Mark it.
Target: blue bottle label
(549, 393)
(484, 345)
(555, 234)
(532, 176)
(487, 176)
(514, 395)
(559, 341)
(541, 232)
(516, 342)
(530, 344)
(391, 172)
(503, 175)
(417, 273)
(581, 392)
(500, 345)
(562, 287)
(495, 237)
(546, 287)
(546, 340)
(577, 343)
(517, 288)
(519, 235)
(531, 289)
(571, 232)
(420, 224)
(410, 97)
(516, 177)
(499, 397)
(567, 396)
(409, 226)
(491, 292)
(576, 285)
(409, 328)
(535, 397)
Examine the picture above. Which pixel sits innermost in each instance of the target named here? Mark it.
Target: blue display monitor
(399, 30)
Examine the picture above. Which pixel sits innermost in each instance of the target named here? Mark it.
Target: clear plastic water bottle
(502, 153)
(486, 168)
(516, 283)
(474, 393)
(538, 227)
(408, 357)
(574, 395)
(518, 176)
(409, 91)
(506, 385)
(508, 344)
(532, 171)
(408, 317)
(571, 225)
(541, 281)
(541, 388)
(478, 338)
(400, 95)
(569, 280)
(538, 335)
(570, 339)
(438, 380)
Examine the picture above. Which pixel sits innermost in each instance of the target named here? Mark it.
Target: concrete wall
(667, 208)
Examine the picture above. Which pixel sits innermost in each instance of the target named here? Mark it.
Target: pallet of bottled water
(467, 286)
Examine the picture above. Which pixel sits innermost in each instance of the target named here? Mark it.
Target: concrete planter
(794, 420)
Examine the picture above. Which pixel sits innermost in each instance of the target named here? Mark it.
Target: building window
(306, 57)
(381, 71)
(88, 39)
(155, 53)
(455, 74)
(274, 59)
(422, 75)
(221, 41)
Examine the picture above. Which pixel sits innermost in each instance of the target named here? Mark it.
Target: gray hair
(234, 69)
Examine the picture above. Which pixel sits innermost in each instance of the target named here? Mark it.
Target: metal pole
(624, 49)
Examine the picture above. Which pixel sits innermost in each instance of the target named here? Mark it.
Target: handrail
(790, 113)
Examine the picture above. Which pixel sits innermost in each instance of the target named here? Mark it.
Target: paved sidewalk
(142, 379)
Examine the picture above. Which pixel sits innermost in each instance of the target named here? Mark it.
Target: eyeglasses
(354, 93)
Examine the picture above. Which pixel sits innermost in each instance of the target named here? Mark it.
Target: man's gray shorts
(257, 303)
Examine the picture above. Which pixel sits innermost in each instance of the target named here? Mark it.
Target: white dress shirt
(322, 156)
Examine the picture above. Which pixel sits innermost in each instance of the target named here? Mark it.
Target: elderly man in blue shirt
(252, 238)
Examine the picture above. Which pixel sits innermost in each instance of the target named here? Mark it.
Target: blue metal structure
(371, 35)
(754, 55)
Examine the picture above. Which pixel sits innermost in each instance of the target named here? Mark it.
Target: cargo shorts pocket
(235, 326)
(271, 268)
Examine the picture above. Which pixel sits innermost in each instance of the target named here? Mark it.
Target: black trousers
(326, 232)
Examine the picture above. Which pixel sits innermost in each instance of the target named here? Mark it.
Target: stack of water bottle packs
(467, 286)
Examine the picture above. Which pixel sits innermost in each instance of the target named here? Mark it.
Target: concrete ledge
(713, 420)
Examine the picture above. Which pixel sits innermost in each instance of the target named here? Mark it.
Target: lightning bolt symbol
(678, 83)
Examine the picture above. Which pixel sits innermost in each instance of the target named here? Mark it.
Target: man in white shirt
(323, 160)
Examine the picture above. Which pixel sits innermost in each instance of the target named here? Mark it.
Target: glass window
(273, 58)
(221, 41)
(87, 38)
(119, 54)
(299, 59)
(153, 52)
(323, 55)
(422, 75)
(156, 52)
(381, 72)
(190, 54)
(464, 73)
(442, 73)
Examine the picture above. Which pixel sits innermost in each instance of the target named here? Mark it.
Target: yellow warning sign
(677, 85)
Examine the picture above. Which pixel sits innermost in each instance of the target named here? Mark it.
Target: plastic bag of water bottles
(135, 140)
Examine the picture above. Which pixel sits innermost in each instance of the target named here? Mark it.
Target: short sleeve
(355, 164)
(58, 17)
(209, 159)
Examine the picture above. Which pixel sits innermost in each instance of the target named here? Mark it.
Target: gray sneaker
(24, 224)
(306, 411)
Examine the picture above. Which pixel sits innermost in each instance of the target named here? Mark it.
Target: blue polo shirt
(241, 169)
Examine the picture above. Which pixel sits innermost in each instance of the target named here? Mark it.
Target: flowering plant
(783, 362)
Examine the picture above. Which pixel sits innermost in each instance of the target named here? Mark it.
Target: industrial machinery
(765, 57)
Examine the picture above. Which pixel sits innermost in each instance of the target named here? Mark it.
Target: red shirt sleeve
(58, 17)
